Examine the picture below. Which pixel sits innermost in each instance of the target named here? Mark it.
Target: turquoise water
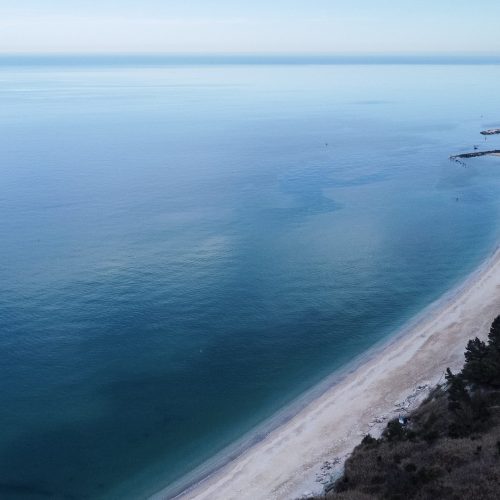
(185, 249)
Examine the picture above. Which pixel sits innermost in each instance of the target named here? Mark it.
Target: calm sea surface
(186, 249)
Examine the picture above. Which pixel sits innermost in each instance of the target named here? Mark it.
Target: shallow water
(185, 249)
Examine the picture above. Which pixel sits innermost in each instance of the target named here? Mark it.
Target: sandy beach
(295, 458)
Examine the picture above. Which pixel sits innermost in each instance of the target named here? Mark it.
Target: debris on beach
(410, 400)
(330, 471)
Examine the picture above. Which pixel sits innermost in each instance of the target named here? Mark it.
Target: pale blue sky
(250, 26)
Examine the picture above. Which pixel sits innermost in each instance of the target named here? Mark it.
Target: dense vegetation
(450, 447)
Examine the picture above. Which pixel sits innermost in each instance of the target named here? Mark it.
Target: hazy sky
(249, 26)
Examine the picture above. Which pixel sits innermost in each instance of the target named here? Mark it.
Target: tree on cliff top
(482, 361)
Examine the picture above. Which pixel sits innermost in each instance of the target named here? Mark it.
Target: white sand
(285, 464)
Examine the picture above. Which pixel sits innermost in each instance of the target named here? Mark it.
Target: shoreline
(303, 446)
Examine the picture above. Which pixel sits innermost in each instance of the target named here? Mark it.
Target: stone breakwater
(475, 154)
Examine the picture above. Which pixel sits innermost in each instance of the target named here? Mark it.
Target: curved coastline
(282, 457)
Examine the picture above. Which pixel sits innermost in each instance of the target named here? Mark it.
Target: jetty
(491, 131)
(493, 152)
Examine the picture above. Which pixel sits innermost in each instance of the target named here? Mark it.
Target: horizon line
(32, 58)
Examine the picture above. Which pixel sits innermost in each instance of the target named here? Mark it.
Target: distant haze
(259, 26)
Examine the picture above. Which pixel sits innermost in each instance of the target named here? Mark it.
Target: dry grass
(422, 461)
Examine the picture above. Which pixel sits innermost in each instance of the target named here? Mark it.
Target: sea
(188, 245)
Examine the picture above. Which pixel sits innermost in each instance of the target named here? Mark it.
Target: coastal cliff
(449, 447)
